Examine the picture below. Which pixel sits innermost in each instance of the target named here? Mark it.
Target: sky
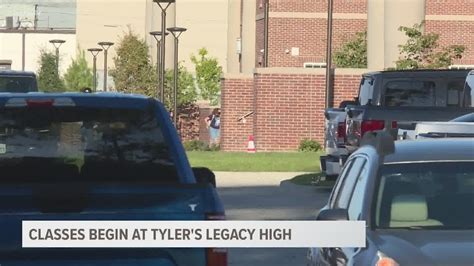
(51, 13)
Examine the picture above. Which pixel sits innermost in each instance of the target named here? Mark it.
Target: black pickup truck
(404, 98)
(17, 81)
(399, 98)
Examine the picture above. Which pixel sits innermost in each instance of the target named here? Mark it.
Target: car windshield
(426, 195)
(16, 84)
(92, 143)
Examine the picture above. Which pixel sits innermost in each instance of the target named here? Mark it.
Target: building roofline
(44, 31)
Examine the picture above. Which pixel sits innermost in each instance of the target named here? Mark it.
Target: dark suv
(17, 81)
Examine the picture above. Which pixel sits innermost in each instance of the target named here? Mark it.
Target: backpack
(215, 122)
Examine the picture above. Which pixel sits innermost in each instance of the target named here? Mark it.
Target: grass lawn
(258, 162)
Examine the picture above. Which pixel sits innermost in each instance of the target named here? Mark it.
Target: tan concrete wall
(375, 34)
(248, 35)
(233, 33)
(107, 20)
(384, 19)
(206, 21)
(11, 49)
(399, 13)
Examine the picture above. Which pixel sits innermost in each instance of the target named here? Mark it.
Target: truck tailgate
(100, 201)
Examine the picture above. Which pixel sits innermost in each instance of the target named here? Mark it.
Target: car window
(469, 91)
(355, 205)
(339, 181)
(86, 143)
(438, 195)
(454, 92)
(366, 91)
(410, 93)
(16, 84)
(347, 186)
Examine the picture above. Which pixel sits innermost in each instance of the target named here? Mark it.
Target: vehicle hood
(426, 247)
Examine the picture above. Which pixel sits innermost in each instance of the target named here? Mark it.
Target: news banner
(226, 234)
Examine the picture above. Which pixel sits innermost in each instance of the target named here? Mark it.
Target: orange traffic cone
(251, 145)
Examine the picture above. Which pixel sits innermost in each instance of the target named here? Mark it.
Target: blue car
(104, 156)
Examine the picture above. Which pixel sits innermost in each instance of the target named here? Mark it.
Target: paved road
(268, 196)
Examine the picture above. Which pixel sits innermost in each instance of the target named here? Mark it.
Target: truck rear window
(85, 143)
(17, 84)
(410, 93)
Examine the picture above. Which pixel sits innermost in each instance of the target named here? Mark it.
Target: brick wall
(320, 6)
(260, 42)
(449, 7)
(302, 24)
(447, 18)
(237, 99)
(288, 106)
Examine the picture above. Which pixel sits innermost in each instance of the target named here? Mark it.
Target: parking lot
(268, 196)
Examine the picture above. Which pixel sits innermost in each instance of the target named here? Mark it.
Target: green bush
(309, 145)
(214, 147)
(195, 145)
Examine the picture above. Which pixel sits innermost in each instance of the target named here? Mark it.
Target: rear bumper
(330, 165)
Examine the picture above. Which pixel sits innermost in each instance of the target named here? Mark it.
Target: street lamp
(105, 46)
(158, 38)
(163, 4)
(94, 52)
(57, 43)
(176, 32)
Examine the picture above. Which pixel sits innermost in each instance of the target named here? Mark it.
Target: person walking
(213, 122)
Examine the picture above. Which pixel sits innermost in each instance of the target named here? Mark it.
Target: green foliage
(48, 78)
(208, 76)
(197, 145)
(78, 75)
(353, 54)
(186, 89)
(422, 50)
(309, 145)
(133, 71)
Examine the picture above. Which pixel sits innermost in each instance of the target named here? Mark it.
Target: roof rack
(382, 140)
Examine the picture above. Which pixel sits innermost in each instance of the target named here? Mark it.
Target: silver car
(417, 198)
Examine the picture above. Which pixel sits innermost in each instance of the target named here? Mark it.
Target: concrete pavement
(268, 196)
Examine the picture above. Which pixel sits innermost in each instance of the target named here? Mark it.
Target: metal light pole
(94, 52)
(158, 37)
(329, 89)
(57, 43)
(176, 31)
(105, 46)
(163, 4)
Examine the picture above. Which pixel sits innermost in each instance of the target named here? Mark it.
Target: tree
(353, 54)
(187, 93)
(422, 50)
(48, 77)
(208, 76)
(78, 75)
(133, 71)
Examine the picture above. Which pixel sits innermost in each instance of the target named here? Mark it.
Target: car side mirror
(333, 215)
(204, 176)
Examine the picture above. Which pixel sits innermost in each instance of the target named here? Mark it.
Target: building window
(314, 65)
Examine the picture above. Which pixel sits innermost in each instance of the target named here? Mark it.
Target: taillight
(216, 256)
(39, 103)
(341, 132)
(374, 125)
